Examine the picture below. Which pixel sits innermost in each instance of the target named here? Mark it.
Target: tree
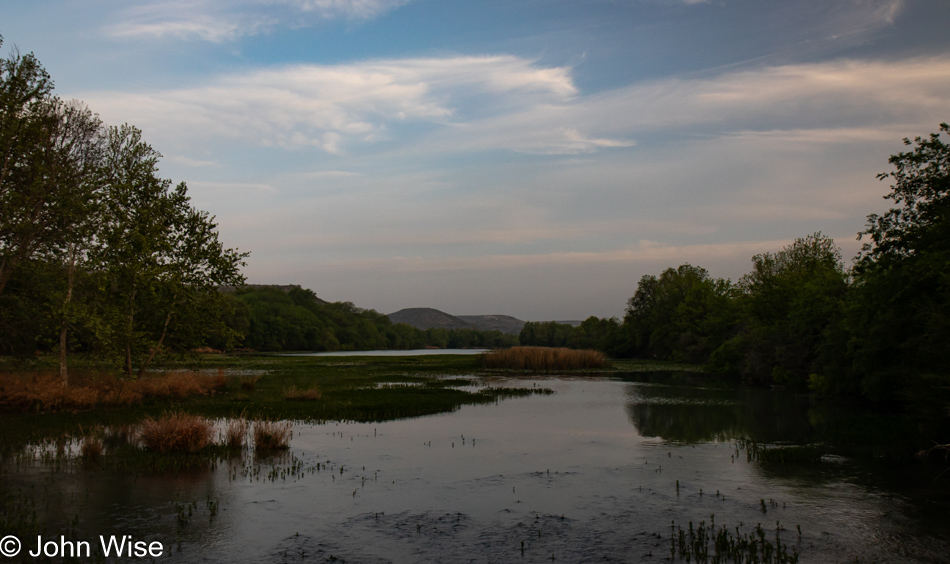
(72, 157)
(157, 255)
(25, 121)
(791, 304)
(48, 187)
(900, 314)
(680, 315)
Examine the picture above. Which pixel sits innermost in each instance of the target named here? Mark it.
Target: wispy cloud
(190, 162)
(470, 104)
(225, 20)
(330, 106)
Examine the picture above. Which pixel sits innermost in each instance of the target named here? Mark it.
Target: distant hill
(504, 323)
(429, 318)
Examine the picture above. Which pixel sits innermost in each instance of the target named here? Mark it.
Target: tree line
(99, 254)
(294, 319)
(801, 318)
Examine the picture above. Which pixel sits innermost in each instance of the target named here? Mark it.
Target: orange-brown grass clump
(91, 448)
(177, 432)
(45, 391)
(295, 393)
(272, 435)
(544, 359)
(236, 434)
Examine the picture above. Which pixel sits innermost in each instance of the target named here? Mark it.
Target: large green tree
(684, 314)
(27, 214)
(790, 307)
(160, 259)
(900, 316)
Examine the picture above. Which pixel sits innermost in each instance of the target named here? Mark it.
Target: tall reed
(544, 359)
(236, 433)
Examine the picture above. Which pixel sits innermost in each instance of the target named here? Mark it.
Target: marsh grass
(176, 432)
(707, 544)
(348, 387)
(41, 391)
(91, 449)
(544, 359)
(272, 435)
(236, 434)
(309, 394)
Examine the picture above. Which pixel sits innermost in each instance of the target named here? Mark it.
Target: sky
(532, 158)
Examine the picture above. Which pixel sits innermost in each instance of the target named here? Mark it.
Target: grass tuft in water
(272, 435)
(236, 434)
(706, 544)
(176, 432)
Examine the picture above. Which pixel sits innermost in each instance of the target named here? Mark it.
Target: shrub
(176, 432)
(272, 435)
(544, 359)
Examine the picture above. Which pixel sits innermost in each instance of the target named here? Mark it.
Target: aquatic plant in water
(176, 432)
(272, 435)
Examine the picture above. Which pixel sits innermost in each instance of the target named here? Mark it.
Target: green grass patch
(306, 389)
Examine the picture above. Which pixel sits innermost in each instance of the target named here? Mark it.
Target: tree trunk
(70, 278)
(157, 346)
(131, 328)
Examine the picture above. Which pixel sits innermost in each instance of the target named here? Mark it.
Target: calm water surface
(588, 474)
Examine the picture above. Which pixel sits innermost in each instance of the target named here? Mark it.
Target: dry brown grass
(544, 359)
(236, 434)
(272, 435)
(177, 432)
(44, 391)
(91, 448)
(295, 393)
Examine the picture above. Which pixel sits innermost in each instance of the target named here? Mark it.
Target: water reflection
(700, 414)
(594, 472)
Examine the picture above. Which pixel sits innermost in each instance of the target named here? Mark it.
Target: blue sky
(532, 158)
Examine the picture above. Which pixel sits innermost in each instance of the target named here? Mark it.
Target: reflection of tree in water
(695, 414)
